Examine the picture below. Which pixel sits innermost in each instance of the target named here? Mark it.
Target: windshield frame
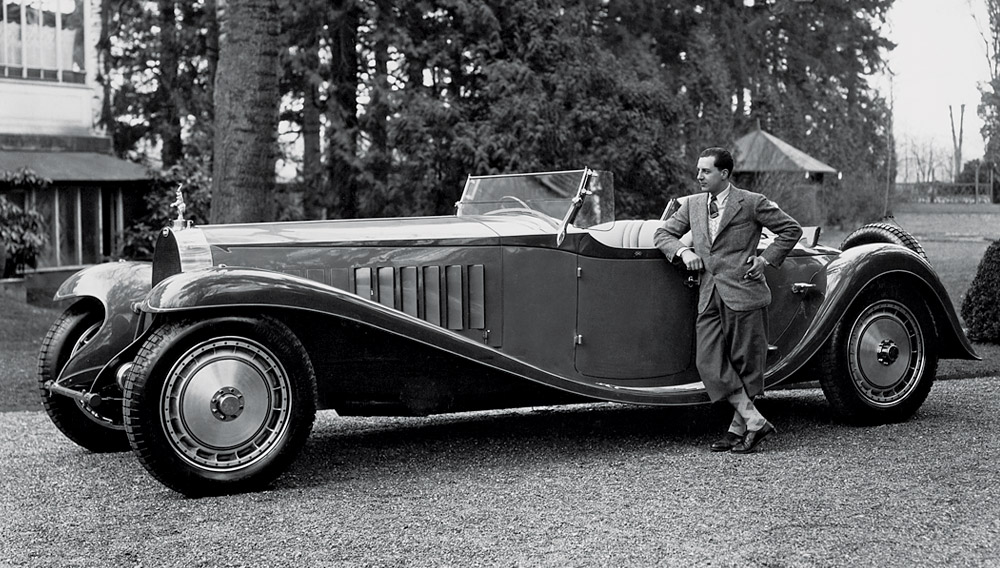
(554, 196)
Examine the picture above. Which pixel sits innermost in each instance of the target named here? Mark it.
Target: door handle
(800, 287)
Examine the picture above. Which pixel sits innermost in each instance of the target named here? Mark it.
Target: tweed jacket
(725, 259)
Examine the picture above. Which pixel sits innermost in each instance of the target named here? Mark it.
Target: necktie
(713, 218)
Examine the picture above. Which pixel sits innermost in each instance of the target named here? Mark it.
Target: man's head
(715, 165)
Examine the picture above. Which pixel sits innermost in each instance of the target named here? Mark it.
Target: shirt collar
(723, 195)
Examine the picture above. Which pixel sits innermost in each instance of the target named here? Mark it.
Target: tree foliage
(158, 68)
(191, 178)
(989, 104)
(394, 103)
(23, 234)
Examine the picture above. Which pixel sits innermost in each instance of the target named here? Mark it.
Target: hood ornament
(179, 223)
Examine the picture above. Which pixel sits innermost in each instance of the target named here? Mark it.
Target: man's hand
(756, 270)
(691, 260)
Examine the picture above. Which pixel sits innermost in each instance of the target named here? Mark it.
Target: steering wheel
(517, 200)
(525, 211)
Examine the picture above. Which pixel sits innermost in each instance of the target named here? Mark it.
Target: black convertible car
(210, 363)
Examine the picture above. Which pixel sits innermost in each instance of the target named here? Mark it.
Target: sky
(939, 60)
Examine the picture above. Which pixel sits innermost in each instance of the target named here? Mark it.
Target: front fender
(118, 287)
(849, 274)
(227, 287)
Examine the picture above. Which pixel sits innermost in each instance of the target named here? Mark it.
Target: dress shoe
(753, 438)
(726, 443)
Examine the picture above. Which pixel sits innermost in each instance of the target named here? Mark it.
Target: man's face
(710, 178)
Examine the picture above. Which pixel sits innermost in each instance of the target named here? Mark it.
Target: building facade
(49, 101)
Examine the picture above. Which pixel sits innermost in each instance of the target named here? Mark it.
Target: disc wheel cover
(226, 404)
(887, 354)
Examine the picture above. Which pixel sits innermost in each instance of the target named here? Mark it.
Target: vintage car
(211, 362)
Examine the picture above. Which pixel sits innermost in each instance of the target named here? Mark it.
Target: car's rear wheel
(219, 406)
(99, 429)
(880, 362)
(883, 233)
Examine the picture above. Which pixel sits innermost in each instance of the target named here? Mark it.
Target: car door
(635, 317)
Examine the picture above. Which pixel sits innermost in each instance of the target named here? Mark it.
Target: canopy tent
(761, 152)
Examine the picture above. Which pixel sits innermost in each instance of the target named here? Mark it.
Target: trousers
(730, 349)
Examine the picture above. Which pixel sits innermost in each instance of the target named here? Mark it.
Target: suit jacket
(745, 214)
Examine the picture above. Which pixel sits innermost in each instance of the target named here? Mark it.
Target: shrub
(22, 233)
(981, 306)
(857, 199)
(194, 179)
(793, 194)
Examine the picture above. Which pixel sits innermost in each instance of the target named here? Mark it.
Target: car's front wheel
(880, 362)
(97, 429)
(219, 406)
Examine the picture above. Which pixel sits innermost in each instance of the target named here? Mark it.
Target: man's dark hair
(723, 159)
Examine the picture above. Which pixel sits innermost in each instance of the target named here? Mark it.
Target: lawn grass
(24, 326)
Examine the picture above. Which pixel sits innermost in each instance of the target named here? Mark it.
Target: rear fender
(118, 287)
(846, 277)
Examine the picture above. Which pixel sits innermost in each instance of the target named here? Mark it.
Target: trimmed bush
(981, 306)
(23, 234)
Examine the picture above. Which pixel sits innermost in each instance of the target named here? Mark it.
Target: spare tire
(883, 233)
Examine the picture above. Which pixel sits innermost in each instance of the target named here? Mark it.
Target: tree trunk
(378, 113)
(342, 107)
(312, 166)
(170, 122)
(246, 114)
(211, 44)
(104, 58)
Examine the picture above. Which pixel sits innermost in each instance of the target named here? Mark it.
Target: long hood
(301, 246)
(414, 230)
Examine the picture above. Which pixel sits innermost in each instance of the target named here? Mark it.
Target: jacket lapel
(733, 205)
(699, 218)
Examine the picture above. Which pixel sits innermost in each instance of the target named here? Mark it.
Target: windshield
(549, 193)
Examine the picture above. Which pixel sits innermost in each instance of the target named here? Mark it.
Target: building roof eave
(73, 166)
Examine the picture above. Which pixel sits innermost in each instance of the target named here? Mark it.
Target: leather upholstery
(628, 234)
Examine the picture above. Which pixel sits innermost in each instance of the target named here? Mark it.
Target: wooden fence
(940, 192)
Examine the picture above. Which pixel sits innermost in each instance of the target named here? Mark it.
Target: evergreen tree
(397, 102)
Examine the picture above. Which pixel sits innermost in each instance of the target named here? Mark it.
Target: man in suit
(731, 328)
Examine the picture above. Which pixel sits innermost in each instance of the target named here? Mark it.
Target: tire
(880, 362)
(883, 233)
(219, 406)
(98, 429)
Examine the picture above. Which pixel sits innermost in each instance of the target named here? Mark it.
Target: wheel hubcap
(887, 353)
(226, 403)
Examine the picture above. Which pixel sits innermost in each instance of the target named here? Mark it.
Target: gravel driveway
(588, 485)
